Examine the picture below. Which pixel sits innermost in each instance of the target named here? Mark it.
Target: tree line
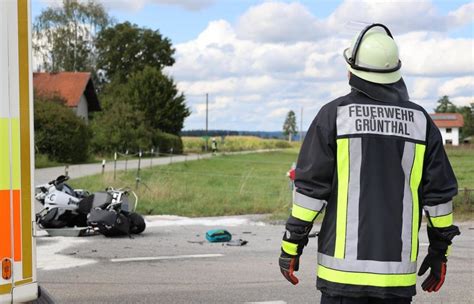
(141, 105)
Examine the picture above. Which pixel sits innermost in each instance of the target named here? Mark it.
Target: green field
(462, 161)
(239, 184)
(223, 185)
(236, 143)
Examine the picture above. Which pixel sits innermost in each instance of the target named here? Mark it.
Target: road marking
(268, 302)
(172, 257)
(50, 257)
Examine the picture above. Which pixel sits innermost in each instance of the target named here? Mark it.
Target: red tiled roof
(448, 120)
(69, 85)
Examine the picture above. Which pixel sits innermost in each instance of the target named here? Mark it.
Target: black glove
(288, 265)
(436, 260)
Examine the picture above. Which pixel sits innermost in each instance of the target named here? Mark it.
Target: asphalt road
(180, 267)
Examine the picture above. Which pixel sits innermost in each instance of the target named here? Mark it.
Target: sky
(258, 60)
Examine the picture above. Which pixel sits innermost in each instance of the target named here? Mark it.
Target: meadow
(241, 184)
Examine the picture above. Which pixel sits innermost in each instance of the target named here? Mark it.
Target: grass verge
(241, 184)
(224, 185)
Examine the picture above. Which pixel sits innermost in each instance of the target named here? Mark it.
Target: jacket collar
(393, 92)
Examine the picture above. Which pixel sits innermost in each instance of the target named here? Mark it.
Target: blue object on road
(218, 235)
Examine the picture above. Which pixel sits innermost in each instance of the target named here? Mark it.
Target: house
(449, 125)
(76, 88)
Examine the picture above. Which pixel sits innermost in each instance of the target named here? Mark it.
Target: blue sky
(259, 59)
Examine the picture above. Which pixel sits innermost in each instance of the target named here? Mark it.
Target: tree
(163, 107)
(289, 127)
(64, 36)
(445, 105)
(120, 128)
(126, 49)
(63, 136)
(468, 115)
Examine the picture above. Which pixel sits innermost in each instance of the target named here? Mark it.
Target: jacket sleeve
(439, 186)
(313, 183)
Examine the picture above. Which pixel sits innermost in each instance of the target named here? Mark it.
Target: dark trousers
(326, 299)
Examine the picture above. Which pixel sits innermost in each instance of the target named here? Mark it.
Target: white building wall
(82, 109)
(453, 136)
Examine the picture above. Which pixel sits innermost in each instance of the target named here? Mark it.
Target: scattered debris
(313, 235)
(196, 242)
(247, 232)
(238, 242)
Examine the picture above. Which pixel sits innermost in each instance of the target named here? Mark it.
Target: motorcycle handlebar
(59, 180)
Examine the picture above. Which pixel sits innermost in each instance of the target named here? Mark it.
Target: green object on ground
(218, 236)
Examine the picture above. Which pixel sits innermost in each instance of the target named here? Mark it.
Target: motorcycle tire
(137, 223)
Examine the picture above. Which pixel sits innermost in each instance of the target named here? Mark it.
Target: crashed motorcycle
(61, 205)
(110, 213)
(113, 213)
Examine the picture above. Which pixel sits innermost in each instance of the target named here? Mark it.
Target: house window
(448, 130)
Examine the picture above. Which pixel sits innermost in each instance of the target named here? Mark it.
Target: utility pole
(301, 125)
(207, 121)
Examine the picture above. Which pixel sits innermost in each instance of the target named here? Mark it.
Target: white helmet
(373, 56)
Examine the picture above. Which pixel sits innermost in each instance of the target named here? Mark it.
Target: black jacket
(374, 160)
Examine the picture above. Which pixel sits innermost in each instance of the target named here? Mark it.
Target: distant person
(374, 161)
(214, 146)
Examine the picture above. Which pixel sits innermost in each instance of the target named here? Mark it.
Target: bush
(166, 141)
(120, 127)
(59, 133)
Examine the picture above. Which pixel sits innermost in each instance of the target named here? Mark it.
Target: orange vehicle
(17, 243)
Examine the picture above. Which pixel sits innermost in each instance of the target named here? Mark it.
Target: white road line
(172, 257)
(268, 302)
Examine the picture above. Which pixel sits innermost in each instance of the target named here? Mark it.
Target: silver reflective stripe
(366, 266)
(440, 210)
(352, 234)
(308, 202)
(407, 163)
(381, 120)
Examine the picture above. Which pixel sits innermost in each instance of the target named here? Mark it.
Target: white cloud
(255, 75)
(463, 15)
(278, 113)
(424, 54)
(136, 5)
(400, 16)
(458, 87)
(279, 22)
(423, 88)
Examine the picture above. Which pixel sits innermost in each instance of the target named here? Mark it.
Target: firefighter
(214, 145)
(375, 162)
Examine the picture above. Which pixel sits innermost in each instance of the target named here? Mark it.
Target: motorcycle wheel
(137, 223)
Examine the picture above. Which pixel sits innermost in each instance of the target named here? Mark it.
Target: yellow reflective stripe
(4, 154)
(366, 279)
(16, 163)
(448, 251)
(442, 221)
(289, 248)
(303, 214)
(343, 183)
(24, 282)
(25, 137)
(5, 289)
(415, 179)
